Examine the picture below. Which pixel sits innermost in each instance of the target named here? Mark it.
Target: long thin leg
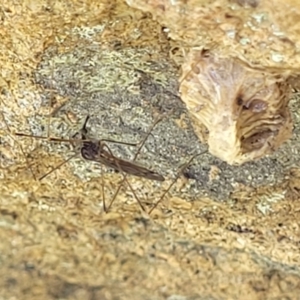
(54, 139)
(72, 141)
(21, 148)
(134, 158)
(179, 173)
(133, 192)
(106, 209)
(103, 190)
(57, 167)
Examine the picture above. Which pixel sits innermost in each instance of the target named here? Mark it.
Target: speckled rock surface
(243, 60)
(221, 231)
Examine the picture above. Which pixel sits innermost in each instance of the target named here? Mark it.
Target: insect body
(95, 151)
(98, 151)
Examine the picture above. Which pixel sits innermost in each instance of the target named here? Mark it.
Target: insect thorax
(90, 150)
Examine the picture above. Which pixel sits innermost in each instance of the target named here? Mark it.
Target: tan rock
(238, 77)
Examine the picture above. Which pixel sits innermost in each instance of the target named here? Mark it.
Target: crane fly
(98, 151)
(94, 150)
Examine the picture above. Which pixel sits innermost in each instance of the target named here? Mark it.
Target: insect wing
(128, 167)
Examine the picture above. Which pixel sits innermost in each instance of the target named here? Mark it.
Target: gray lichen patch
(102, 70)
(124, 93)
(57, 241)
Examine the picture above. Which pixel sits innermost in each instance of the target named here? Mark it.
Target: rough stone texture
(222, 231)
(244, 111)
(236, 81)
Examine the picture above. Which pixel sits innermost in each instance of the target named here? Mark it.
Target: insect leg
(135, 156)
(179, 173)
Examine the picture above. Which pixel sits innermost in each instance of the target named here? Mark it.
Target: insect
(98, 151)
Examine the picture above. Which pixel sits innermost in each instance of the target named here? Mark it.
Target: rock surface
(237, 79)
